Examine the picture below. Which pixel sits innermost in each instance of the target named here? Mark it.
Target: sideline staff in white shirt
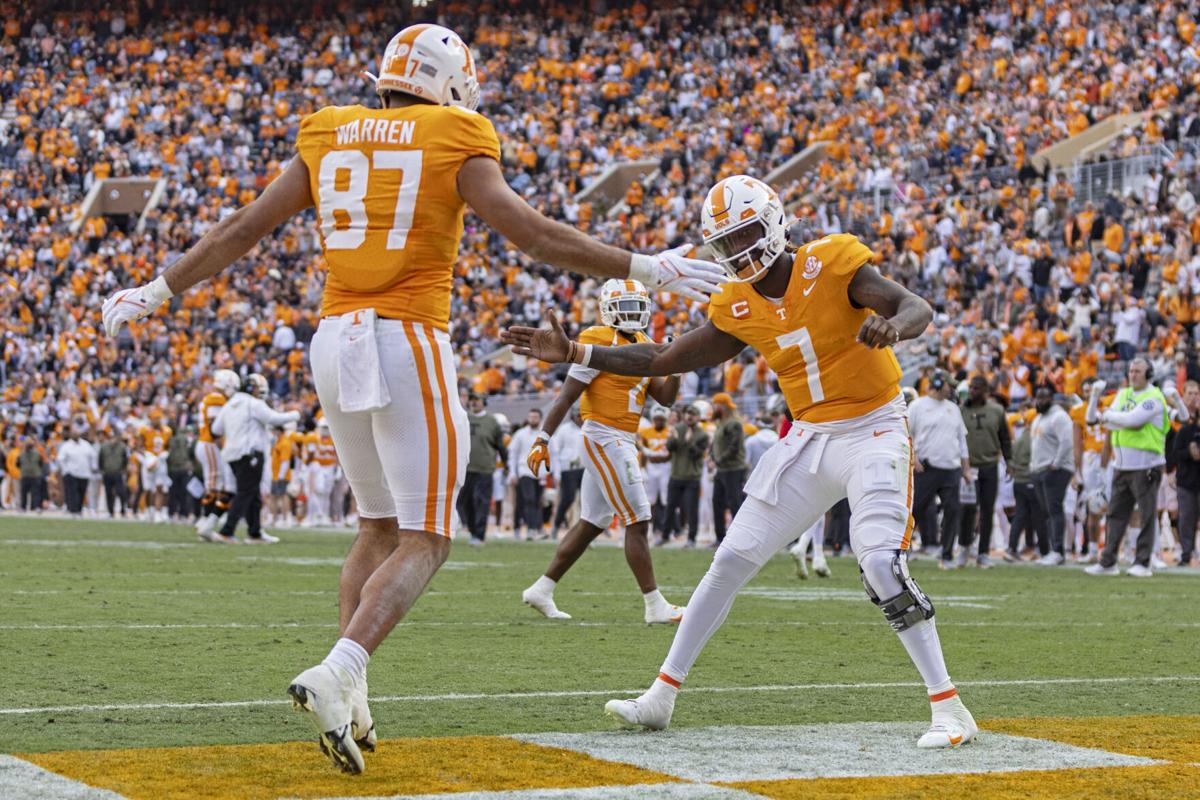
(1051, 465)
(245, 422)
(566, 458)
(940, 459)
(78, 461)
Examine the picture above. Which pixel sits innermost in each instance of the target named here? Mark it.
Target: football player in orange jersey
(320, 474)
(154, 435)
(825, 321)
(390, 186)
(1092, 477)
(218, 477)
(653, 437)
(612, 478)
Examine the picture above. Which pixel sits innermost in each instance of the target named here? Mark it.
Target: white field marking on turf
(530, 620)
(795, 687)
(133, 544)
(831, 750)
(657, 791)
(20, 780)
(337, 562)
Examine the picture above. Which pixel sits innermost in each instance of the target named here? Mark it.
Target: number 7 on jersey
(812, 369)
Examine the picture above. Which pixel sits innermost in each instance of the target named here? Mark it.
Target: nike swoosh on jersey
(811, 286)
(878, 433)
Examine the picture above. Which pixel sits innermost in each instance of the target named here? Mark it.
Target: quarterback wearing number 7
(390, 186)
(825, 321)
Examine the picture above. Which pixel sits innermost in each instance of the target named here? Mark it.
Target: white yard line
(532, 620)
(797, 687)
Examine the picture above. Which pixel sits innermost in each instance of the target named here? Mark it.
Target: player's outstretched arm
(899, 314)
(225, 242)
(481, 184)
(664, 390)
(706, 346)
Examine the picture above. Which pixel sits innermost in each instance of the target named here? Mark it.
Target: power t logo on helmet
(430, 62)
(743, 222)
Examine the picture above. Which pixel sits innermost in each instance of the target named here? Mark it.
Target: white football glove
(130, 304)
(672, 271)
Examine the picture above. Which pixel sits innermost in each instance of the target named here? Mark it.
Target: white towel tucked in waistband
(361, 385)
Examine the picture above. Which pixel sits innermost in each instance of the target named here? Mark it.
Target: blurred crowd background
(930, 115)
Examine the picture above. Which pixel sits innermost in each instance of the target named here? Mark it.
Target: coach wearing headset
(1139, 421)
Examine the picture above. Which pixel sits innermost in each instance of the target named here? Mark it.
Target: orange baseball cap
(724, 399)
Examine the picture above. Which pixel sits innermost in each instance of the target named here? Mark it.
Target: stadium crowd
(929, 114)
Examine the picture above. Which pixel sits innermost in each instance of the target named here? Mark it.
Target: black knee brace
(910, 605)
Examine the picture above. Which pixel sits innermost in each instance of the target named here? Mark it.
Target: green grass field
(129, 615)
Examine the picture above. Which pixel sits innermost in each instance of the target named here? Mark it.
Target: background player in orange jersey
(390, 186)
(154, 435)
(811, 316)
(218, 477)
(612, 478)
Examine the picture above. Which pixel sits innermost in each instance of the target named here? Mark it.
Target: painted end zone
(298, 770)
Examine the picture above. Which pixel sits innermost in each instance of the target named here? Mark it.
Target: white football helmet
(430, 62)
(624, 305)
(226, 381)
(255, 385)
(743, 222)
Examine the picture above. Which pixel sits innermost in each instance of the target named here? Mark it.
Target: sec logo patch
(812, 268)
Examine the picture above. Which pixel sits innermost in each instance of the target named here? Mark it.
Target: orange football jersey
(654, 441)
(210, 406)
(385, 184)
(613, 400)
(1093, 435)
(810, 338)
(319, 450)
(154, 440)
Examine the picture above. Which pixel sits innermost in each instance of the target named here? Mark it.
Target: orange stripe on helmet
(430, 428)
(719, 210)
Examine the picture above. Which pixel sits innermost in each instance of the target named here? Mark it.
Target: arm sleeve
(1144, 413)
(699, 443)
(268, 416)
(582, 374)
(1066, 442)
(963, 452)
(1006, 440)
(474, 135)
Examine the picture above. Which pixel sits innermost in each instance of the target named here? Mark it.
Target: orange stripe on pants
(587, 445)
(908, 529)
(430, 428)
(451, 434)
(617, 483)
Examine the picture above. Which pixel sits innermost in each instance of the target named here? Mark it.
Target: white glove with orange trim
(539, 454)
(130, 304)
(672, 271)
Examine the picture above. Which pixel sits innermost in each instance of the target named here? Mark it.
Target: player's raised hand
(673, 271)
(878, 332)
(130, 304)
(546, 344)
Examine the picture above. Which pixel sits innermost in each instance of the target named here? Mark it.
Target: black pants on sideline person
(474, 501)
(568, 489)
(1029, 518)
(528, 511)
(247, 473)
(31, 494)
(178, 500)
(931, 483)
(683, 496)
(1189, 506)
(115, 488)
(727, 496)
(1052, 488)
(1132, 487)
(982, 513)
(75, 490)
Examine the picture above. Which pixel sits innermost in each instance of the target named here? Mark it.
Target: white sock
(707, 609)
(653, 598)
(925, 649)
(350, 656)
(544, 585)
(818, 539)
(664, 685)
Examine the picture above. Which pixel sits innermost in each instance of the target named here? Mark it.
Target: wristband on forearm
(579, 353)
(157, 290)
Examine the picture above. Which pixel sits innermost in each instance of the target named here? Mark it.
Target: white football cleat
(263, 538)
(205, 526)
(651, 711)
(543, 603)
(952, 726)
(820, 565)
(362, 727)
(326, 694)
(665, 614)
(799, 553)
